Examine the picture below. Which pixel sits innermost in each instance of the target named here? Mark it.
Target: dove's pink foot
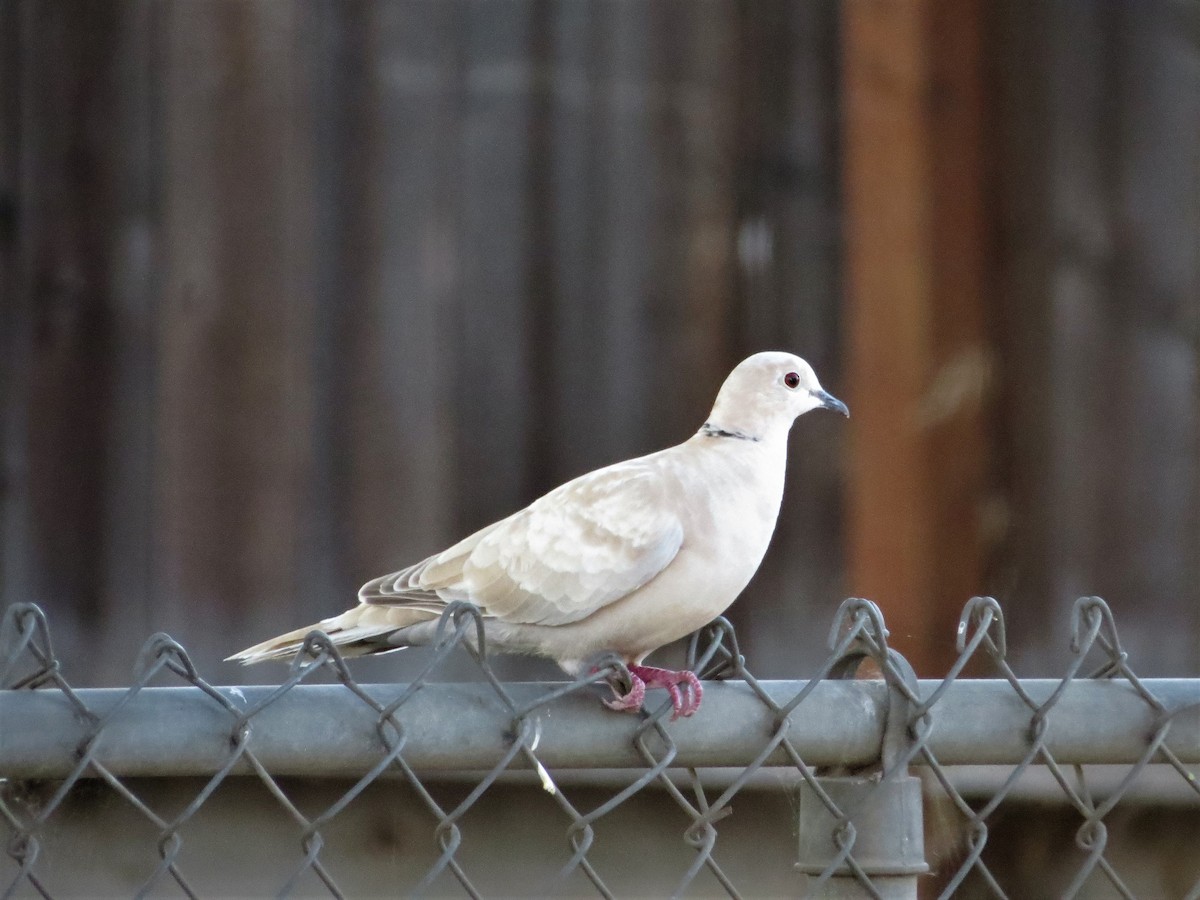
(685, 702)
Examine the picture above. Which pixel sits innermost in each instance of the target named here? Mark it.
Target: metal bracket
(863, 835)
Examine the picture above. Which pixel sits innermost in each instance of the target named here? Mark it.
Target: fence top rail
(327, 730)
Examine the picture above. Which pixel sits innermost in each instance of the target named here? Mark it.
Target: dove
(624, 560)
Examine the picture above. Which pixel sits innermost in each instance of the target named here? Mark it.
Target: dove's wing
(577, 549)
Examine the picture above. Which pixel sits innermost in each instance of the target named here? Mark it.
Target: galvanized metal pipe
(322, 730)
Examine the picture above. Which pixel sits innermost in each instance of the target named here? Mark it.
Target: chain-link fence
(840, 746)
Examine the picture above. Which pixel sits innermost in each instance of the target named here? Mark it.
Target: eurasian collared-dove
(624, 559)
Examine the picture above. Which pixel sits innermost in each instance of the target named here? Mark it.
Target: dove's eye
(792, 379)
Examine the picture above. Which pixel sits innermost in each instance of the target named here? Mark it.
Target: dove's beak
(828, 401)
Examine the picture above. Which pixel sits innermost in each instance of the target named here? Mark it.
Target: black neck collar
(710, 430)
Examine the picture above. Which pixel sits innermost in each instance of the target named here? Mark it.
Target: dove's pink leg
(684, 703)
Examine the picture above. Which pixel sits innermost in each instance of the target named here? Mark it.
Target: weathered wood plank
(787, 296)
(1100, 323)
(235, 333)
(61, 368)
(400, 356)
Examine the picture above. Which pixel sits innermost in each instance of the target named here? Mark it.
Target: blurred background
(297, 293)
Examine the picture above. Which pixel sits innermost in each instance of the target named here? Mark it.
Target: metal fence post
(880, 826)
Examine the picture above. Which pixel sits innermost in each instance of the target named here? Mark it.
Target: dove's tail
(360, 631)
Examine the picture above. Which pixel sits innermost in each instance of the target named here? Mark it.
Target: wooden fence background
(1097, 196)
(296, 293)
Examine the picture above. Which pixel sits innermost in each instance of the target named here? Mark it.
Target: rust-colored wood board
(915, 279)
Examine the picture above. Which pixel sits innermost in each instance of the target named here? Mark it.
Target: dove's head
(766, 392)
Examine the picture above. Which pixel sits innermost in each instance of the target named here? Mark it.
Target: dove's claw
(683, 687)
(684, 702)
(630, 701)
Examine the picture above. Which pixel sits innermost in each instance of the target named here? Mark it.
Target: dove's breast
(729, 522)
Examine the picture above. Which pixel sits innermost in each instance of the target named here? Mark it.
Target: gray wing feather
(579, 548)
